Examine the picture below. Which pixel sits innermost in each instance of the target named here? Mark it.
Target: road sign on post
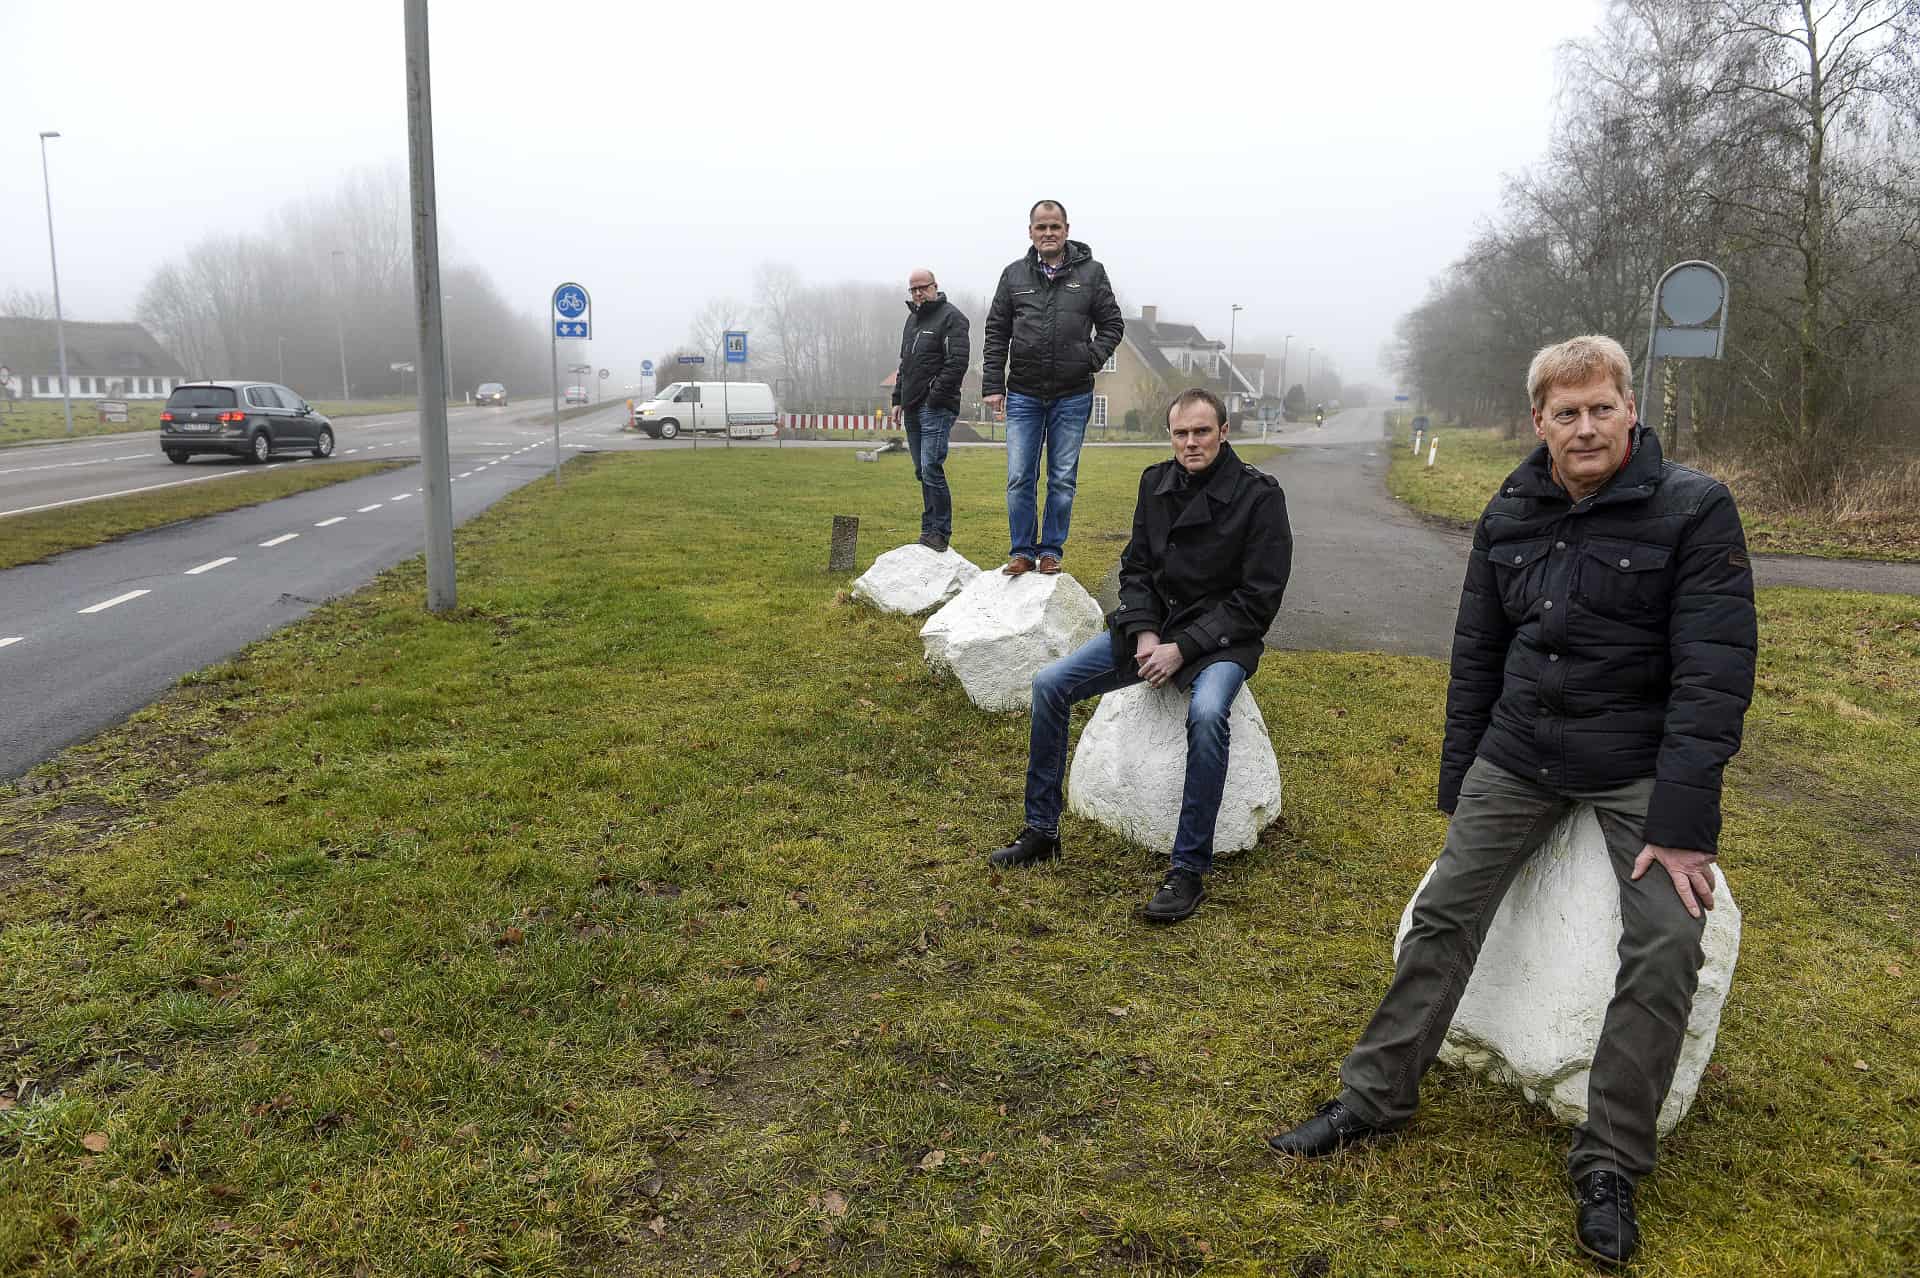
(737, 347)
(692, 359)
(572, 318)
(1689, 321)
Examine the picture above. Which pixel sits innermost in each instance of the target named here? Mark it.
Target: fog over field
(1317, 165)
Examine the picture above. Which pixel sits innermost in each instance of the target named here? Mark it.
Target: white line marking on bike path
(115, 601)
(209, 566)
(364, 509)
(282, 538)
(10, 640)
(328, 523)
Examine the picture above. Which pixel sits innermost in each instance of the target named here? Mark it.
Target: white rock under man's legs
(913, 578)
(999, 631)
(1532, 1013)
(1131, 765)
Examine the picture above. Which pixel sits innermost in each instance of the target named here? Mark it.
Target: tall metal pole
(339, 329)
(1310, 372)
(280, 345)
(59, 319)
(426, 295)
(553, 347)
(1286, 349)
(1233, 328)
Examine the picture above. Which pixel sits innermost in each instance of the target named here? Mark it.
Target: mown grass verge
(1472, 464)
(38, 419)
(25, 538)
(633, 921)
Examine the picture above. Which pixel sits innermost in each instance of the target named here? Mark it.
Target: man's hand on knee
(1143, 643)
(1691, 872)
(1160, 663)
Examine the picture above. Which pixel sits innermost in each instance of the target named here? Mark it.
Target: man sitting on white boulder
(1200, 584)
(1604, 654)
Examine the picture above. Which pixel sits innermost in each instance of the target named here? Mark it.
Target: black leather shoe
(1029, 847)
(1179, 896)
(1332, 1127)
(1607, 1228)
(933, 541)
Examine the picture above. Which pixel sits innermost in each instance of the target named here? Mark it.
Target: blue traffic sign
(1399, 399)
(571, 328)
(570, 301)
(692, 359)
(646, 366)
(736, 346)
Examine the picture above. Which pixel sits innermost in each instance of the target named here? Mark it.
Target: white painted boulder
(913, 578)
(1131, 764)
(999, 631)
(1532, 1012)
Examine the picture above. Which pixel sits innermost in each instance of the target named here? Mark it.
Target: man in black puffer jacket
(1053, 324)
(1604, 653)
(926, 392)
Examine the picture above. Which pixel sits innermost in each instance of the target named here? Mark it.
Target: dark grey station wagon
(254, 420)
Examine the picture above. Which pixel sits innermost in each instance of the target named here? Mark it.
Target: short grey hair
(1576, 360)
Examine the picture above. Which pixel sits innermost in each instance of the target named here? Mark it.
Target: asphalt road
(90, 636)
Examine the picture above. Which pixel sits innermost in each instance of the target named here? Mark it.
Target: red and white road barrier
(831, 421)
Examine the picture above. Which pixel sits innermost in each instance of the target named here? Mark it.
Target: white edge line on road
(10, 640)
(283, 537)
(124, 492)
(400, 496)
(328, 523)
(117, 599)
(209, 566)
(350, 452)
(364, 509)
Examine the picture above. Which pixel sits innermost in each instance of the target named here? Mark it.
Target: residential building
(1159, 357)
(104, 361)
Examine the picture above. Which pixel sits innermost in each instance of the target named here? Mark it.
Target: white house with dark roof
(104, 361)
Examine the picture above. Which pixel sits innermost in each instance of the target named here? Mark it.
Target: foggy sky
(1317, 164)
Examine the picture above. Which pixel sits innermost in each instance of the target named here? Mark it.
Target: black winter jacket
(1207, 576)
(1048, 337)
(1607, 640)
(934, 349)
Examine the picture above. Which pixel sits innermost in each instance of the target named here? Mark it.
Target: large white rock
(1532, 1012)
(1131, 764)
(913, 578)
(999, 631)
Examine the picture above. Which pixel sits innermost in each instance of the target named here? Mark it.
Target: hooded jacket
(1204, 569)
(1048, 337)
(1607, 640)
(934, 347)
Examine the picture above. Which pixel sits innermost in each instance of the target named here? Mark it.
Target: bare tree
(20, 303)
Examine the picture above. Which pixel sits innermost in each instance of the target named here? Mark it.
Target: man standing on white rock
(1200, 585)
(926, 393)
(1604, 654)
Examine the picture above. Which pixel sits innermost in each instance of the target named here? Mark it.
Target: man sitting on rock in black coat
(1200, 584)
(1604, 654)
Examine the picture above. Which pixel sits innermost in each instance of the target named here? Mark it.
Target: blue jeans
(928, 430)
(1059, 424)
(1089, 672)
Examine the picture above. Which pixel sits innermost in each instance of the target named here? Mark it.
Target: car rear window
(201, 397)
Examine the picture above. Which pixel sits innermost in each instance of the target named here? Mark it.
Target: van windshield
(669, 393)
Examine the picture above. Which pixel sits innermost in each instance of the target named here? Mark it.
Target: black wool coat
(1048, 337)
(1607, 640)
(1208, 577)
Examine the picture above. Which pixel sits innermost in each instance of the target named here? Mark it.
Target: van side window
(691, 395)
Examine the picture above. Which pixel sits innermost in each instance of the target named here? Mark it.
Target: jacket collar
(928, 307)
(1076, 253)
(1632, 482)
(1221, 487)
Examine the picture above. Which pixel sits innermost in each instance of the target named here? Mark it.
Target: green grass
(632, 921)
(26, 538)
(29, 420)
(1473, 463)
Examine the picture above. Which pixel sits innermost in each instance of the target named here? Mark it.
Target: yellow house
(1157, 358)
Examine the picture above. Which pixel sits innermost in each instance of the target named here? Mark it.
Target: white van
(743, 409)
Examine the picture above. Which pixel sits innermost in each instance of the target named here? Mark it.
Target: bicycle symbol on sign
(570, 302)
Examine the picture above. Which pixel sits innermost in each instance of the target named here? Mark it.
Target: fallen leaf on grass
(512, 936)
(834, 1203)
(1862, 1066)
(934, 1158)
(844, 1127)
(760, 984)
(1117, 1012)
(1893, 969)
(659, 1226)
(94, 1142)
(222, 1192)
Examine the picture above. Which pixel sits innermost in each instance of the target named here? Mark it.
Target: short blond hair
(1577, 360)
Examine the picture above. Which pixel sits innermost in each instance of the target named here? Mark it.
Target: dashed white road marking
(328, 523)
(209, 566)
(280, 540)
(364, 509)
(463, 474)
(350, 452)
(400, 496)
(117, 600)
(10, 640)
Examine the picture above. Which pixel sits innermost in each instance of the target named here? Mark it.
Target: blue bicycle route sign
(570, 304)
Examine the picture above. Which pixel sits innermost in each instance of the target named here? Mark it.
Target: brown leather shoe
(1017, 565)
(1049, 564)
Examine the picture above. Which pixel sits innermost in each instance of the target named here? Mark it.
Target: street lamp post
(1233, 328)
(1310, 351)
(339, 329)
(280, 344)
(59, 320)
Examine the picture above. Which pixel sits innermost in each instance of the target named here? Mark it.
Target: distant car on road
(576, 395)
(254, 420)
(491, 393)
